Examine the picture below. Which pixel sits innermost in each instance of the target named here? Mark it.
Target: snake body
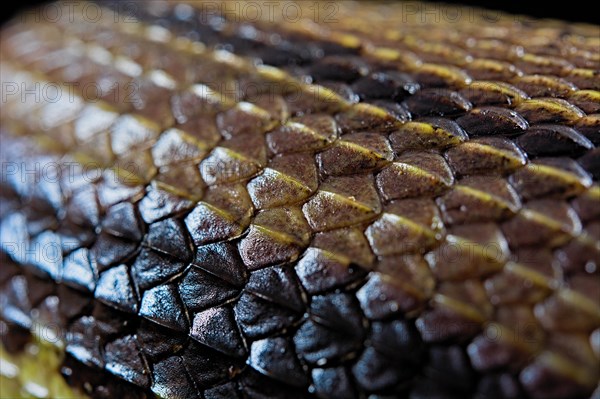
(298, 200)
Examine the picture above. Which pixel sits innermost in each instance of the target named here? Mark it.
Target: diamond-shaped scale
(469, 251)
(304, 133)
(275, 236)
(415, 222)
(175, 145)
(287, 179)
(224, 213)
(427, 133)
(362, 152)
(342, 201)
(415, 174)
(131, 133)
(162, 305)
(217, 329)
(483, 155)
(235, 159)
(478, 199)
(401, 285)
(458, 312)
(554, 177)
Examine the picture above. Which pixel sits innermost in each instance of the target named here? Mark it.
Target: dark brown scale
(122, 358)
(151, 268)
(442, 382)
(255, 384)
(319, 273)
(159, 204)
(334, 330)
(345, 69)
(385, 85)
(216, 328)
(589, 126)
(208, 367)
(549, 110)
(115, 289)
(103, 384)
(536, 180)
(492, 93)
(545, 86)
(343, 90)
(172, 379)
(437, 102)
(163, 306)
(591, 162)
(213, 290)
(394, 109)
(492, 121)
(274, 357)
(259, 317)
(333, 382)
(285, 54)
(553, 140)
(14, 337)
(499, 386)
(229, 390)
(587, 101)
(9, 268)
(588, 81)
(374, 371)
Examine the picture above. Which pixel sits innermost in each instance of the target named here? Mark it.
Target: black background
(571, 10)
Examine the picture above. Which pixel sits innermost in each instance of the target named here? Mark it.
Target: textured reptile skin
(381, 202)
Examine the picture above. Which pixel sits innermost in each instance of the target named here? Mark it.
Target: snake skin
(376, 203)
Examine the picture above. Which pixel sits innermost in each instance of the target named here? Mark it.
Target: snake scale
(298, 200)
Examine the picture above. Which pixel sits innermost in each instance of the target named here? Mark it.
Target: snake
(280, 199)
